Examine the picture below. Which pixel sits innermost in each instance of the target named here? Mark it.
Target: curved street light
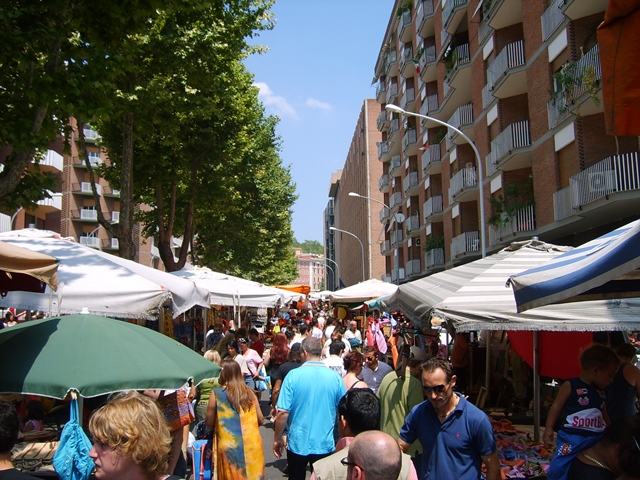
(396, 109)
(336, 273)
(359, 241)
(398, 218)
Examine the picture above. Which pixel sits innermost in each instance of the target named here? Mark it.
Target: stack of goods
(520, 457)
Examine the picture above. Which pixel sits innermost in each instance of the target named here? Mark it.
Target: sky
(315, 77)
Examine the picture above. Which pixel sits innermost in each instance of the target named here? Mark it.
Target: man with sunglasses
(456, 436)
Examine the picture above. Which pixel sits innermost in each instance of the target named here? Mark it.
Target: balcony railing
(431, 156)
(409, 138)
(394, 166)
(382, 119)
(392, 93)
(552, 18)
(385, 214)
(522, 220)
(428, 56)
(383, 183)
(93, 242)
(412, 223)
(110, 192)
(450, 7)
(408, 98)
(394, 127)
(85, 187)
(53, 159)
(91, 135)
(577, 77)
(381, 89)
(429, 105)
(410, 181)
(413, 267)
(385, 247)
(460, 57)
(432, 206)
(434, 258)
(395, 200)
(396, 237)
(511, 56)
(397, 274)
(392, 58)
(85, 214)
(514, 136)
(55, 201)
(465, 178)
(405, 22)
(462, 116)
(383, 149)
(465, 243)
(424, 10)
(618, 173)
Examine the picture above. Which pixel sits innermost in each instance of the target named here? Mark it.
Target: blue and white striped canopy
(603, 268)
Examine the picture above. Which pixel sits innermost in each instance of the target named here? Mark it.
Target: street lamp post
(325, 275)
(359, 241)
(336, 273)
(399, 218)
(483, 243)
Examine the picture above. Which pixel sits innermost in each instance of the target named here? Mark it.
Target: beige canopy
(20, 266)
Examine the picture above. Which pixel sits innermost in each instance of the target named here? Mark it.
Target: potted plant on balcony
(432, 242)
(403, 8)
(504, 206)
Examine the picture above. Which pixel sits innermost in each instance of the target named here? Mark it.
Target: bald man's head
(377, 454)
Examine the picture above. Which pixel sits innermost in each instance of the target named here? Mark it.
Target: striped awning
(604, 268)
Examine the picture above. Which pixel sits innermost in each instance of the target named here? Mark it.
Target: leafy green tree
(310, 246)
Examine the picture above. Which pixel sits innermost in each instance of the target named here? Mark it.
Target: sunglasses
(345, 461)
(437, 389)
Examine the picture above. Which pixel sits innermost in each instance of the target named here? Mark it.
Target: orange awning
(302, 289)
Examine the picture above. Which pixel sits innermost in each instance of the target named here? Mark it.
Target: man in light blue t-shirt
(307, 404)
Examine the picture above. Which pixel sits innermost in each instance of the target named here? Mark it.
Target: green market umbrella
(94, 356)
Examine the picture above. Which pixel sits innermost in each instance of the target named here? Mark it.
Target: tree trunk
(128, 249)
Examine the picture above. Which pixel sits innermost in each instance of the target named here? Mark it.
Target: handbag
(71, 460)
(202, 460)
(261, 381)
(176, 409)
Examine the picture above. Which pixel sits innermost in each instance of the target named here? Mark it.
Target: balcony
(386, 278)
(425, 19)
(432, 159)
(468, 242)
(381, 90)
(511, 149)
(397, 274)
(90, 135)
(457, 75)
(408, 68)
(404, 26)
(385, 248)
(462, 186)
(392, 93)
(434, 258)
(412, 224)
(578, 86)
(576, 9)
(395, 200)
(52, 162)
(601, 185)
(113, 244)
(85, 215)
(452, 14)
(462, 119)
(84, 188)
(428, 65)
(394, 127)
(397, 237)
(502, 13)
(432, 209)
(394, 166)
(408, 99)
(48, 205)
(93, 242)
(429, 105)
(115, 217)
(510, 228)
(385, 214)
(383, 183)
(107, 191)
(552, 18)
(94, 160)
(507, 75)
(410, 142)
(383, 151)
(413, 268)
(410, 184)
(382, 120)
(391, 63)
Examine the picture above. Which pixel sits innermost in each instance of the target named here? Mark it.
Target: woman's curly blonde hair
(133, 425)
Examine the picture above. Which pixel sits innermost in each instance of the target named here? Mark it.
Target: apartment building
(71, 210)
(311, 270)
(520, 80)
(356, 207)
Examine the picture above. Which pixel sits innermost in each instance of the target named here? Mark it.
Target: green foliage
(433, 242)
(309, 246)
(516, 197)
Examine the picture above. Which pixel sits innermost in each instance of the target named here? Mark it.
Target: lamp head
(394, 108)
(354, 194)
(332, 228)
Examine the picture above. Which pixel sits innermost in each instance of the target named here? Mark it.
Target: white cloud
(280, 104)
(313, 103)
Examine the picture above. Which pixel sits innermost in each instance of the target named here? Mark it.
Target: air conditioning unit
(418, 242)
(602, 182)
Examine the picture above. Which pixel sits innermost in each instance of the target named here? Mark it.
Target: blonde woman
(131, 439)
(234, 414)
(206, 386)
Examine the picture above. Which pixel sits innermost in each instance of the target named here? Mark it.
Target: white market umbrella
(102, 283)
(363, 291)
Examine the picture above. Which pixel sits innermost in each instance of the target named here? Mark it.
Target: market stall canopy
(102, 283)
(24, 270)
(301, 289)
(604, 268)
(94, 356)
(227, 290)
(361, 292)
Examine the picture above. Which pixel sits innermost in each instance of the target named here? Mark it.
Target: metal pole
(336, 274)
(361, 246)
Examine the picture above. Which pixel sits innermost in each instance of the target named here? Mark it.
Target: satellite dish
(399, 217)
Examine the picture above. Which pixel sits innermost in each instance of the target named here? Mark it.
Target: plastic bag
(71, 460)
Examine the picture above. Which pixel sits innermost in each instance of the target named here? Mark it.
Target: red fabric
(559, 351)
(618, 39)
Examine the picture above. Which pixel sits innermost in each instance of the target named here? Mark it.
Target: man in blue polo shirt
(456, 436)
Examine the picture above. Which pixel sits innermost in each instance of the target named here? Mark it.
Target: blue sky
(315, 77)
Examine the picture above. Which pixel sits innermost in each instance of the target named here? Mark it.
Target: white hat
(417, 353)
